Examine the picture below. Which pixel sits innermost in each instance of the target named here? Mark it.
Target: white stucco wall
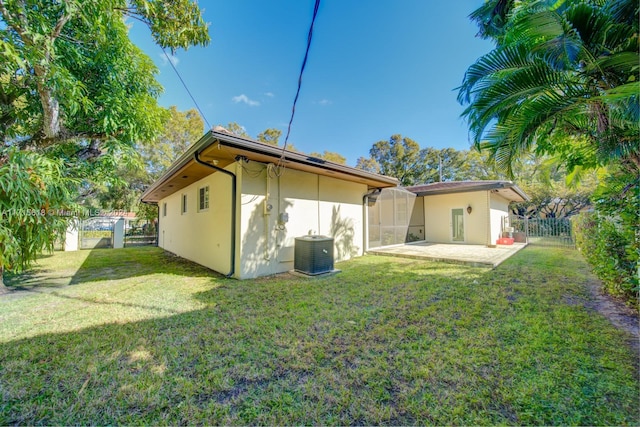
(72, 235)
(200, 236)
(313, 204)
(499, 209)
(437, 211)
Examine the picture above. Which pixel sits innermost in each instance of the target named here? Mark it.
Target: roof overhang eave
(486, 187)
(271, 151)
(205, 141)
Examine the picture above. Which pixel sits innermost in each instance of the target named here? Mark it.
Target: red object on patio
(505, 241)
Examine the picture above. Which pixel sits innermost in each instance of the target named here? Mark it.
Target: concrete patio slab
(475, 255)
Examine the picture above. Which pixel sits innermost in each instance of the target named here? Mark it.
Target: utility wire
(186, 88)
(304, 63)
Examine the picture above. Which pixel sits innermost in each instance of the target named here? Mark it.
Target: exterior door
(457, 225)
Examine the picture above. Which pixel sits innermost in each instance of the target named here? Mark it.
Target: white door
(457, 225)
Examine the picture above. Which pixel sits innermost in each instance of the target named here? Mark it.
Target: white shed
(463, 212)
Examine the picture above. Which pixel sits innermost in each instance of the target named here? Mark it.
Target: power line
(186, 88)
(304, 63)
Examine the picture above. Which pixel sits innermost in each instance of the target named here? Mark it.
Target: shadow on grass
(385, 342)
(158, 309)
(104, 264)
(116, 264)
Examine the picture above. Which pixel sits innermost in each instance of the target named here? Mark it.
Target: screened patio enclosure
(389, 214)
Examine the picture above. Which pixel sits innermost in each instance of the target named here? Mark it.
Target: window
(184, 204)
(203, 198)
(164, 209)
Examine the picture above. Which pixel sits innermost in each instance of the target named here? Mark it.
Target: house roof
(506, 189)
(222, 148)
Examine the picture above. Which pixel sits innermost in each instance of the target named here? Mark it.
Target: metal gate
(140, 233)
(96, 233)
(544, 231)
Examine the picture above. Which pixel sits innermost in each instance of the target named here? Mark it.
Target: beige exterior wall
(312, 204)
(200, 236)
(438, 220)
(499, 210)
(416, 230)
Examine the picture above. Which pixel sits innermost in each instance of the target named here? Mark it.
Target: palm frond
(491, 17)
(499, 59)
(533, 26)
(626, 91)
(623, 11)
(564, 67)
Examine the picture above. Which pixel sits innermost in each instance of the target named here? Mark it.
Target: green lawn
(135, 336)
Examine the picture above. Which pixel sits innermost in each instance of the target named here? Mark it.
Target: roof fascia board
(485, 187)
(232, 141)
(276, 152)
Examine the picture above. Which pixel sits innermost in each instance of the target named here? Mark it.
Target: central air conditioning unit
(313, 255)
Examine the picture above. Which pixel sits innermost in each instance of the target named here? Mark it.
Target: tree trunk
(3, 288)
(50, 106)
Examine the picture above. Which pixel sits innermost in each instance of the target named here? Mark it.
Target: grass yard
(135, 336)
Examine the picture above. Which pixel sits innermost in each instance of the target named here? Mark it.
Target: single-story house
(462, 212)
(236, 205)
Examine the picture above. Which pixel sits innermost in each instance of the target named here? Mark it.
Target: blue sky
(375, 68)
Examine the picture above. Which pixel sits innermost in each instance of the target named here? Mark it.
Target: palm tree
(564, 80)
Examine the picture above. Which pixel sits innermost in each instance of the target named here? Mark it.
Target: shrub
(609, 236)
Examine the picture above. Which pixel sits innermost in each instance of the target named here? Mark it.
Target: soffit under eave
(222, 156)
(185, 176)
(510, 194)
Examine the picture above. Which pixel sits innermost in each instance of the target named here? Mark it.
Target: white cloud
(325, 102)
(168, 57)
(244, 98)
(269, 94)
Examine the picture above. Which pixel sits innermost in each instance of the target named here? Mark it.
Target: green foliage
(131, 173)
(237, 129)
(563, 80)
(552, 200)
(143, 337)
(76, 95)
(404, 159)
(270, 136)
(179, 131)
(398, 157)
(330, 156)
(174, 23)
(35, 193)
(478, 165)
(368, 164)
(552, 194)
(609, 237)
(79, 74)
(437, 165)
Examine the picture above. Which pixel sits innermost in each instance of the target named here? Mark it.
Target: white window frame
(203, 207)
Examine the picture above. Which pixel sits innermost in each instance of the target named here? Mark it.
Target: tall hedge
(609, 237)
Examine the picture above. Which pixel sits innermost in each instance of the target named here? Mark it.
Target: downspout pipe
(196, 157)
